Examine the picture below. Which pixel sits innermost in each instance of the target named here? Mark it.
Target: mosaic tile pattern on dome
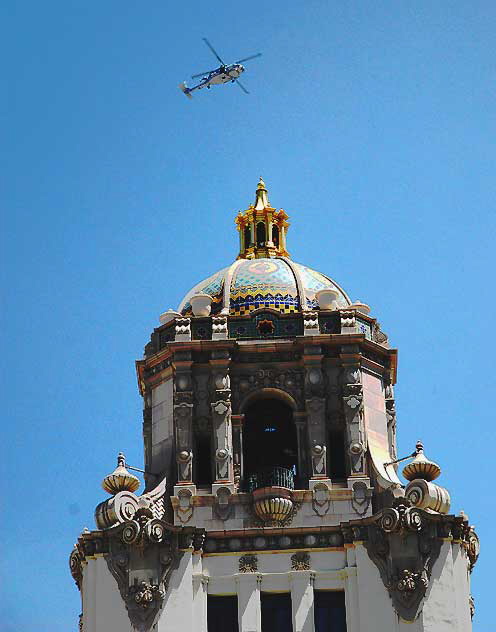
(213, 285)
(263, 283)
(314, 281)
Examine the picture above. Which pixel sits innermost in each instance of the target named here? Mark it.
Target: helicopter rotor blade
(240, 61)
(201, 74)
(242, 86)
(213, 50)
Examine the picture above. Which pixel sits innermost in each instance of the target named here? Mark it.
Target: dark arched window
(247, 237)
(269, 440)
(261, 234)
(275, 235)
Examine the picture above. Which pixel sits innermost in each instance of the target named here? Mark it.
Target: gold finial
(120, 480)
(421, 466)
(261, 196)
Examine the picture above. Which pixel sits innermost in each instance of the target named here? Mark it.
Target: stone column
(391, 419)
(221, 420)
(351, 590)
(237, 439)
(183, 417)
(302, 600)
(200, 585)
(316, 409)
(353, 410)
(241, 229)
(249, 609)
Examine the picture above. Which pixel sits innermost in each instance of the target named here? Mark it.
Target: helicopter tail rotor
(185, 89)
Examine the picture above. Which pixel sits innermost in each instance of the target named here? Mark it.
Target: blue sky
(373, 125)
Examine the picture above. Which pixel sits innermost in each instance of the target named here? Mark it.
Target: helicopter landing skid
(185, 89)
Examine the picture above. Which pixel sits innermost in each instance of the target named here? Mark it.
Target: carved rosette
(248, 563)
(300, 561)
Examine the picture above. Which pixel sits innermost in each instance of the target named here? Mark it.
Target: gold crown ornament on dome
(421, 466)
(120, 480)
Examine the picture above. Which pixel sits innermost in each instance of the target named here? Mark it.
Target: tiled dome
(249, 284)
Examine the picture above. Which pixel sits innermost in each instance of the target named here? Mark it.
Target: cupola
(262, 229)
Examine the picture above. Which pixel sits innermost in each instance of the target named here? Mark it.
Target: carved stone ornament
(360, 501)
(290, 381)
(248, 564)
(352, 401)
(219, 327)
(146, 549)
(300, 561)
(471, 605)
(403, 543)
(184, 507)
(310, 323)
(348, 319)
(183, 329)
(222, 507)
(321, 499)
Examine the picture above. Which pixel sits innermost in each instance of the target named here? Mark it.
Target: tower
(273, 500)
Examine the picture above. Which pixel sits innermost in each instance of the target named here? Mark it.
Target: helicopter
(225, 73)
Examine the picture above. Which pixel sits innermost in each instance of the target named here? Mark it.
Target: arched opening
(275, 235)
(247, 237)
(261, 234)
(269, 440)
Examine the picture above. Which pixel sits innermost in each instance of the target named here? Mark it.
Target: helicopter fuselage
(223, 74)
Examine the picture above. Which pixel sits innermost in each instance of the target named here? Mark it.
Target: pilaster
(183, 416)
(353, 410)
(249, 608)
(316, 410)
(301, 583)
(221, 418)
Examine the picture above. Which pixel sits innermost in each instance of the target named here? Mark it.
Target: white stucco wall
(103, 607)
(369, 607)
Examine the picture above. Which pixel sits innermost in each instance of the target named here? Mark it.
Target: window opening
(269, 441)
(337, 460)
(203, 460)
(329, 611)
(247, 237)
(222, 613)
(275, 236)
(276, 612)
(260, 234)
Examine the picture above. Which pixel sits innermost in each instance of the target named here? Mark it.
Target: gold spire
(421, 466)
(120, 480)
(261, 196)
(262, 229)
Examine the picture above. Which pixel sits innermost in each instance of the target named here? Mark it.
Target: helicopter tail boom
(184, 88)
